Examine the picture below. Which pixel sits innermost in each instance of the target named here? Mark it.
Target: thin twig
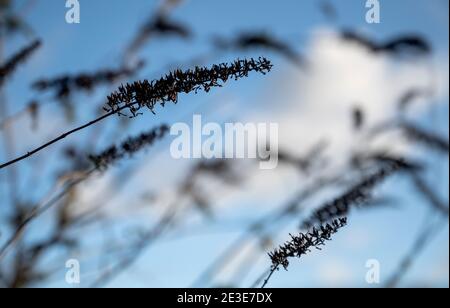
(139, 94)
(38, 211)
(138, 247)
(425, 237)
(272, 270)
(433, 199)
(66, 134)
(290, 207)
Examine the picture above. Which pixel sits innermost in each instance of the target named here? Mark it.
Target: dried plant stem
(51, 142)
(293, 206)
(39, 210)
(9, 150)
(431, 197)
(271, 272)
(7, 134)
(261, 279)
(6, 122)
(138, 247)
(357, 196)
(301, 244)
(130, 146)
(11, 64)
(424, 238)
(139, 94)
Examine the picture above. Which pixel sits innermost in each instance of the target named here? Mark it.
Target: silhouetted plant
(402, 45)
(301, 244)
(12, 22)
(417, 134)
(23, 251)
(31, 108)
(430, 195)
(305, 163)
(64, 86)
(358, 117)
(261, 40)
(10, 65)
(328, 10)
(408, 165)
(356, 196)
(424, 238)
(128, 147)
(162, 25)
(159, 24)
(409, 96)
(148, 93)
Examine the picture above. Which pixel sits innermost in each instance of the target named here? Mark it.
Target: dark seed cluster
(407, 165)
(63, 86)
(301, 244)
(9, 67)
(129, 147)
(358, 195)
(262, 40)
(147, 94)
(429, 139)
(402, 45)
(159, 25)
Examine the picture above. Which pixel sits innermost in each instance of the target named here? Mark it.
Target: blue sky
(108, 25)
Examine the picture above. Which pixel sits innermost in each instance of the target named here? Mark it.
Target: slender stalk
(266, 281)
(148, 94)
(7, 135)
(139, 247)
(38, 211)
(423, 240)
(66, 134)
(293, 206)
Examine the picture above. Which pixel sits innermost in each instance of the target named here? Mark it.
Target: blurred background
(341, 91)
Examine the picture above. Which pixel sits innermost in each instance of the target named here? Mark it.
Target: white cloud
(335, 273)
(316, 105)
